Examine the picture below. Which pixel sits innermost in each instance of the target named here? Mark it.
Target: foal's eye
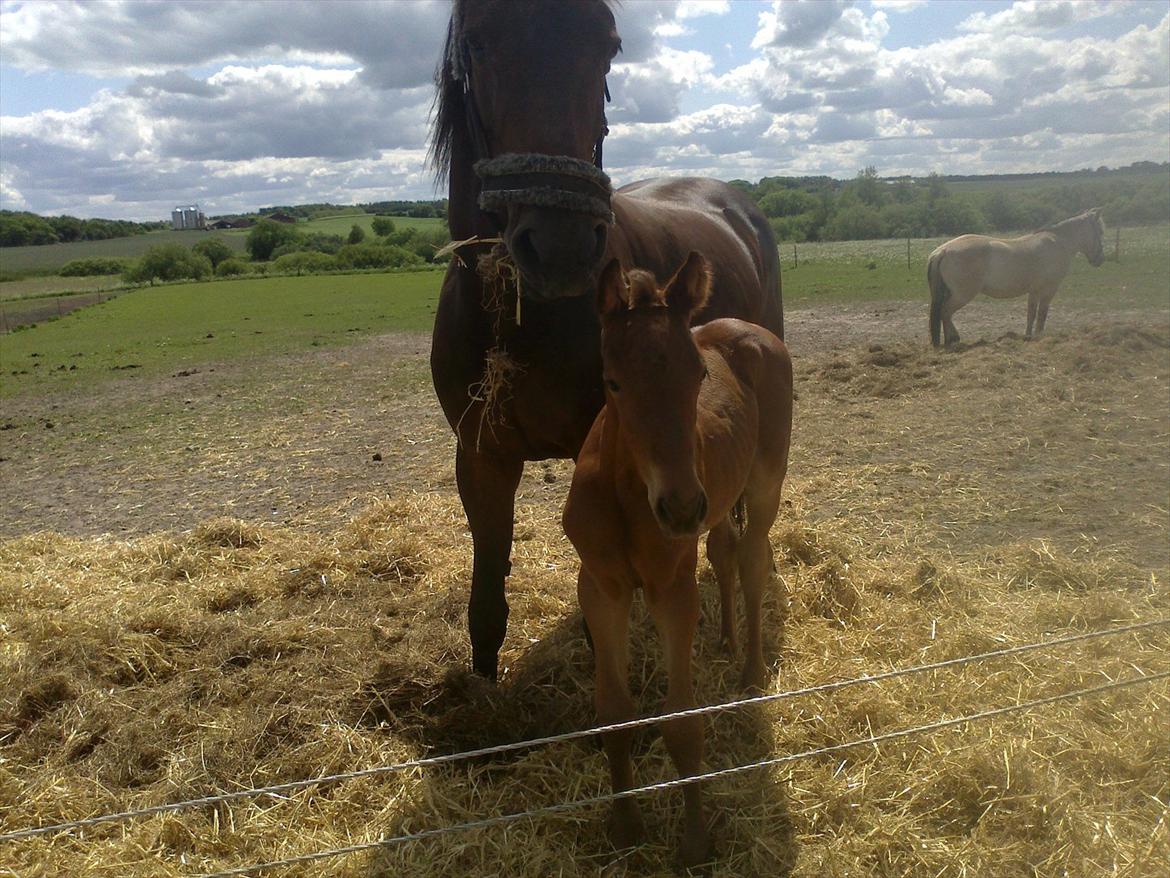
(612, 385)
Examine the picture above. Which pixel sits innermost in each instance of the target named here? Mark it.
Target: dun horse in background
(515, 357)
(1034, 264)
(694, 435)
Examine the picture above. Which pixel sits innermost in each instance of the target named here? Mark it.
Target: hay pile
(173, 666)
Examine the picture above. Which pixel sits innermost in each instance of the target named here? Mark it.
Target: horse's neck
(1069, 235)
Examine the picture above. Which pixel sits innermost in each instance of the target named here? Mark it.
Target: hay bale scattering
(237, 655)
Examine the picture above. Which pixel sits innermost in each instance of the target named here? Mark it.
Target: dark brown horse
(694, 436)
(515, 357)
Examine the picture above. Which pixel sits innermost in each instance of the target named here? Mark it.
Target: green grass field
(340, 225)
(44, 260)
(47, 258)
(847, 271)
(157, 330)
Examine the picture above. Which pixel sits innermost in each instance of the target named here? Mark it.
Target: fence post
(907, 252)
(795, 261)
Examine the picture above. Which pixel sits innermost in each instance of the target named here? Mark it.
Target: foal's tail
(939, 291)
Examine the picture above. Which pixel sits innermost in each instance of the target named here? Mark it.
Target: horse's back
(1000, 268)
(660, 221)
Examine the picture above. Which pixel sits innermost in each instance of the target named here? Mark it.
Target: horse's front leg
(607, 615)
(1033, 301)
(675, 609)
(487, 487)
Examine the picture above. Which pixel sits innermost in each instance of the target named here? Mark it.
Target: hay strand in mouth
(451, 248)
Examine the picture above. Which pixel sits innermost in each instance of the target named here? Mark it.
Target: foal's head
(653, 370)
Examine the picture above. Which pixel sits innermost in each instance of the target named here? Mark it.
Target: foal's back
(745, 410)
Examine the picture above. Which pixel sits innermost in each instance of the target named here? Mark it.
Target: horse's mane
(448, 113)
(1060, 225)
(449, 118)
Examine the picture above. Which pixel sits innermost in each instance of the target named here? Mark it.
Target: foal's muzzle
(556, 212)
(681, 517)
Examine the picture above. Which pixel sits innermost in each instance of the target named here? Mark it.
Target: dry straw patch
(239, 655)
(1008, 493)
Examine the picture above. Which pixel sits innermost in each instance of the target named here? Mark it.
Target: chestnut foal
(696, 423)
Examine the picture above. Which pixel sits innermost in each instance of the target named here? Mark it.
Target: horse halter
(533, 179)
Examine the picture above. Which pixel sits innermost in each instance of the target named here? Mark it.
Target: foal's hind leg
(755, 569)
(721, 552)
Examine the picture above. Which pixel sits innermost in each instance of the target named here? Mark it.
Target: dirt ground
(1067, 438)
(290, 607)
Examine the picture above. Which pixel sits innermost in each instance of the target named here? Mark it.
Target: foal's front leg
(675, 609)
(607, 615)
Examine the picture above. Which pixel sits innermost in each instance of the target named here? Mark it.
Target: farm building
(187, 217)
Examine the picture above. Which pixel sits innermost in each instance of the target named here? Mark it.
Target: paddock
(209, 584)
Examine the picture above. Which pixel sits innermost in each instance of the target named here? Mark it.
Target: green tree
(304, 262)
(266, 236)
(215, 249)
(356, 235)
(382, 226)
(169, 262)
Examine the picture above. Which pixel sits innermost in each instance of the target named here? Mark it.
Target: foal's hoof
(754, 679)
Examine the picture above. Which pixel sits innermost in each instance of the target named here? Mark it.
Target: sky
(126, 109)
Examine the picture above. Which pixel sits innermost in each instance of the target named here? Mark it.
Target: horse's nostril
(600, 233)
(524, 250)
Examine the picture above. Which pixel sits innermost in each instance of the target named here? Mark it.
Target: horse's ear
(688, 290)
(612, 294)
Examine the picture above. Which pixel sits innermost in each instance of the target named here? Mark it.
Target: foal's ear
(688, 290)
(612, 294)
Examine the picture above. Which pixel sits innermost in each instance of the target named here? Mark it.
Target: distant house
(239, 223)
(187, 217)
(281, 217)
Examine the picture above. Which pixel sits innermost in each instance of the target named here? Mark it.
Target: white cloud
(900, 7)
(1037, 15)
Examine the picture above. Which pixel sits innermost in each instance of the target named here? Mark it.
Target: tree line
(870, 206)
(21, 228)
(280, 248)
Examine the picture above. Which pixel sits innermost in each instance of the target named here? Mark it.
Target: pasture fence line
(432, 761)
(562, 807)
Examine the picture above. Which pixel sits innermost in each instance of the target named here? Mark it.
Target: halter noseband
(532, 179)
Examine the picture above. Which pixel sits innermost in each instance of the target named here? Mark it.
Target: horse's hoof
(625, 828)
(696, 851)
(728, 645)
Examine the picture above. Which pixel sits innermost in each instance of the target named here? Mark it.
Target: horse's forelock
(644, 291)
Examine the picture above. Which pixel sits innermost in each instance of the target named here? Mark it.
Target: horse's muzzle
(557, 214)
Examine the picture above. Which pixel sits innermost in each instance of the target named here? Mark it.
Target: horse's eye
(612, 385)
(476, 50)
